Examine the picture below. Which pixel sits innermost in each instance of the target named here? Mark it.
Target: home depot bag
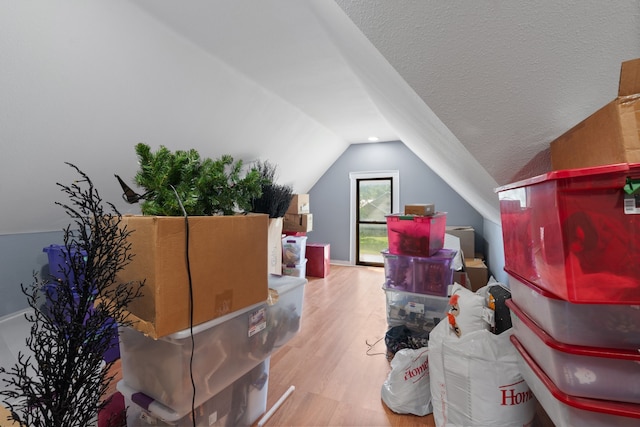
(475, 380)
(406, 389)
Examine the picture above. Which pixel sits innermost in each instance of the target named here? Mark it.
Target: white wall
(83, 82)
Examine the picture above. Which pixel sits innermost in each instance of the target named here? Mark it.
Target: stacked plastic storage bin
(572, 241)
(417, 276)
(230, 365)
(294, 262)
(60, 260)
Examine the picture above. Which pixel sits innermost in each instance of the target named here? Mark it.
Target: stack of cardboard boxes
(297, 222)
(298, 219)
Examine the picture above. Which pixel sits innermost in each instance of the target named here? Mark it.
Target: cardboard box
(461, 277)
(228, 262)
(477, 272)
(466, 234)
(610, 135)
(423, 209)
(298, 222)
(318, 259)
(274, 246)
(299, 204)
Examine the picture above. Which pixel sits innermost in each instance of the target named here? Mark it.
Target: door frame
(395, 201)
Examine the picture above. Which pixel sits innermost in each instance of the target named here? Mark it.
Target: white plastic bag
(475, 380)
(406, 389)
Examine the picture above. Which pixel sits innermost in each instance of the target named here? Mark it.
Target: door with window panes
(374, 200)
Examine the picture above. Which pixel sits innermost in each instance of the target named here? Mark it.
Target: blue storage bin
(60, 259)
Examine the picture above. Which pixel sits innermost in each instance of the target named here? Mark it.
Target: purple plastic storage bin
(423, 275)
(60, 261)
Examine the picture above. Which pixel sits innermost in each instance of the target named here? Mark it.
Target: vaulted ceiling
(476, 89)
(481, 86)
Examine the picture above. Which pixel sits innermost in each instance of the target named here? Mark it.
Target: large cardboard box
(461, 277)
(610, 135)
(297, 222)
(466, 234)
(299, 204)
(228, 263)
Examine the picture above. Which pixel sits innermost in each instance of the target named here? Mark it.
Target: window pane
(373, 239)
(375, 199)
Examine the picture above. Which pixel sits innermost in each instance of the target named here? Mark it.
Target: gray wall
(329, 198)
(21, 256)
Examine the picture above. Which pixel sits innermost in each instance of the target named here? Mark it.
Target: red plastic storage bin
(416, 235)
(572, 233)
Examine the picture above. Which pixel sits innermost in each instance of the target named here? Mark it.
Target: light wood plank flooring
(336, 382)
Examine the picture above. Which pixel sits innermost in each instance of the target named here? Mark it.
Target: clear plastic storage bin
(570, 411)
(419, 312)
(239, 404)
(596, 325)
(284, 309)
(297, 270)
(293, 249)
(590, 372)
(224, 349)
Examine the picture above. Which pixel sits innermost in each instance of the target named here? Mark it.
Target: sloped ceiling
(476, 90)
(507, 77)
(493, 82)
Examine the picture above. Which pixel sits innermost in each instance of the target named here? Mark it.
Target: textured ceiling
(506, 77)
(476, 89)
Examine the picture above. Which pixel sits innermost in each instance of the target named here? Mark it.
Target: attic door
(374, 201)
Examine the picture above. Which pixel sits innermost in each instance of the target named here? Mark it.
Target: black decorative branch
(64, 382)
(275, 198)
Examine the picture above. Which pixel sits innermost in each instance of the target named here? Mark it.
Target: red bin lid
(564, 174)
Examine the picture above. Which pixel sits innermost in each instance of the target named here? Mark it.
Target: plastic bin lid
(294, 239)
(533, 286)
(186, 333)
(55, 247)
(577, 350)
(609, 407)
(437, 298)
(301, 264)
(572, 173)
(441, 254)
(283, 284)
(401, 216)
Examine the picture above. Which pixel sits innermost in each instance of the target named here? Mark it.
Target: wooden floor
(336, 373)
